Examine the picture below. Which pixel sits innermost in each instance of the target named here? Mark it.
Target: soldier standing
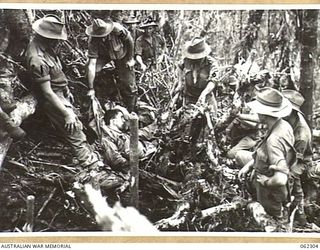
(50, 86)
(111, 43)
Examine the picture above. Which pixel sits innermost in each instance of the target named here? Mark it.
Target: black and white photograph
(146, 119)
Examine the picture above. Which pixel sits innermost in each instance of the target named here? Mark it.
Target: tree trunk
(308, 54)
(12, 45)
(252, 28)
(181, 214)
(250, 34)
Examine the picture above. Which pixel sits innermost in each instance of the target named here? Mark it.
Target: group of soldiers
(110, 45)
(280, 164)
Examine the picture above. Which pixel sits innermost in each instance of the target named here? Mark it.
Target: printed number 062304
(309, 246)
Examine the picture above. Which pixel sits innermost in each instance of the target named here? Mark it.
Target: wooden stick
(175, 183)
(46, 202)
(28, 227)
(51, 164)
(16, 163)
(134, 161)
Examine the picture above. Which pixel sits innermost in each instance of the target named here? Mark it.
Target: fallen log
(179, 217)
(25, 107)
(215, 211)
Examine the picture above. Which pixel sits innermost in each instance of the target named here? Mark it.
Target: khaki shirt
(197, 76)
(111, 47)
(150, 49)
(116, 147)
(277, 146)
(43, 65)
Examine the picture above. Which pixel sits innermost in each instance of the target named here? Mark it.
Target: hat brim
(195, 56)
(89, 31)
(280, 112)
(46, 34)
(131, 21)
(148, 25)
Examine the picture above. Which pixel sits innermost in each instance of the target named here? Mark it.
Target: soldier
(197, 73)
(111, 43)
(116, 141)
(302, 145)
(199, 70)
(168, 29)
(150, 46)
(50, 86)
(247, 127)
(274, 155)
(116, 16)
(131, 23)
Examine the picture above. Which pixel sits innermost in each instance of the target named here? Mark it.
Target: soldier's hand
(143, 67)
(91, 93)
(262, 179)
(71, 122)
(242, 173)
(130, 63)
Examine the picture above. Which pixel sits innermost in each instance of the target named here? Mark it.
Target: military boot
(14, 132)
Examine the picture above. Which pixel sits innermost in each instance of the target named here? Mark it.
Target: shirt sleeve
(93, 47)
(40, 71)
(276, 153)
(112, 154)
(120, 31)
(300, 143)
